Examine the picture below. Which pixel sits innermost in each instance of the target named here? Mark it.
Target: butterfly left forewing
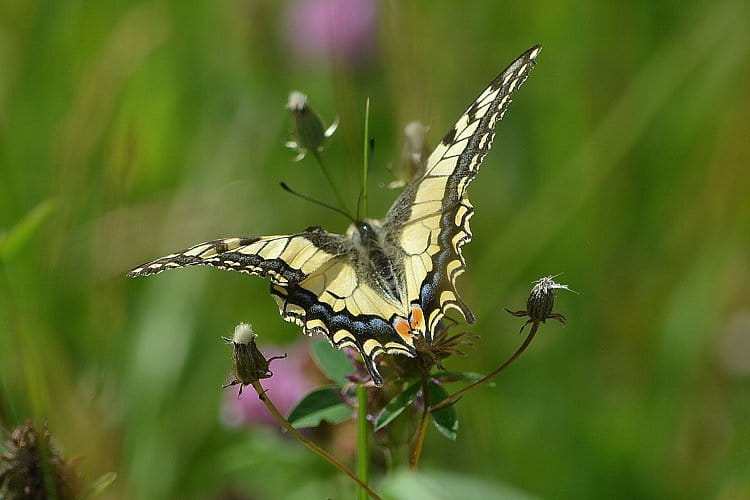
(284, 259)
(429, 222)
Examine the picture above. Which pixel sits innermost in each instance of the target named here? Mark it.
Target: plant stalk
(422, 431)
(456, 395)
(363, 445)
(312, 446)
(319, 160)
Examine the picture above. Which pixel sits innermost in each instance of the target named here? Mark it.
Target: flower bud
(541, 299)
(541, 302)
(248, 363)
(413, 155)
(307, 127)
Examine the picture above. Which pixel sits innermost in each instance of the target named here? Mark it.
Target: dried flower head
(22, 469)
(248, 363)
(413, 155)
(307, 127)
(443, 345)
(541, 301)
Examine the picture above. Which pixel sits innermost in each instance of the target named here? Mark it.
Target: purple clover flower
(321, 30)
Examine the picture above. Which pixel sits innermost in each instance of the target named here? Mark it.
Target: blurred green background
(130, 129)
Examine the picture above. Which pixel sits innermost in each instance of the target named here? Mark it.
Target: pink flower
(320, 30)
(289, 383)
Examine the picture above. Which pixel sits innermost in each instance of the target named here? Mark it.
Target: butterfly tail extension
(372, 369)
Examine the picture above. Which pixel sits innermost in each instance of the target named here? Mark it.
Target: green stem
(50, 487)
(363, 445)
(366, 157)
(397, 456)
(456, 395)
(422, 431)
(312, 446)
(328, 177)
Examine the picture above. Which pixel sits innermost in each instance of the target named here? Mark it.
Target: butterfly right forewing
(430, 220)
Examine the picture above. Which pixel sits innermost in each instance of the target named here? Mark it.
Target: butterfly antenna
(289, 190)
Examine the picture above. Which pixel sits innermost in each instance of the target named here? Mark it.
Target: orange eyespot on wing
(403, 328)
(416, 319)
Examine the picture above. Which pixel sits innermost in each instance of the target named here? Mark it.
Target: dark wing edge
(454, 163)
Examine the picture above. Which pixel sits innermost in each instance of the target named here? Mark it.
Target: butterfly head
(365, 233)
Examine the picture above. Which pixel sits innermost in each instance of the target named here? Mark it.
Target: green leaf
(333, 363)
(397, 405)
(448, 377)
(18, 236)
(442, 484)
(445, 419)
(321, 404)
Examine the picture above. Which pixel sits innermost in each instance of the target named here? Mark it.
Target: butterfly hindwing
(430, 220)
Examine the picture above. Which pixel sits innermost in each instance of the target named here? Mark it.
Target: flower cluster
(22, 467)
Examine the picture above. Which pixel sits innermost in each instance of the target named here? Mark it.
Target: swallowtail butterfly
(385, 281)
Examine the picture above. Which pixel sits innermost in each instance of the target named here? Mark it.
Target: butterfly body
(383, 283)
(377, 262)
